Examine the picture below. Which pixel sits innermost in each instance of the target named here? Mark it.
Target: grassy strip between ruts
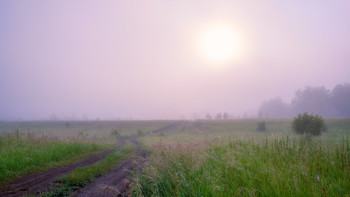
(80, 177)
(20, 155)
(279, 167)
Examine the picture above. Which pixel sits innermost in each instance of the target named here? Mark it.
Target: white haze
(136, 59)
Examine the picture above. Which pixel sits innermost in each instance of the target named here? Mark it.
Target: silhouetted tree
(267, 115)
(225, 116)
(315, 100)
(208, 116)
(218, 116)
(54, 117)
(341, 99)
(275, 108)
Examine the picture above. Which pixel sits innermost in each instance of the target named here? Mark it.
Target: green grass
(205, 158)
(20, 155)
(87, 129)
(277, 167)
(80, 177)
(202, 130)
(231, 158)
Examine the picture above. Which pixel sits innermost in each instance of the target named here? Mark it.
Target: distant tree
(315, 100)
(54, 117)
(208, 116)
(225, 116)
(261, 126)
(195, 116)
(310, 125)
(218, 116)
(85, 117)
(341, 99)
(275, 108)
(267, 115)
(245, 115)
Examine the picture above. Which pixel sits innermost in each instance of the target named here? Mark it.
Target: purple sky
(121, 59)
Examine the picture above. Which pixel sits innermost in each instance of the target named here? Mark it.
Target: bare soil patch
(114, 183)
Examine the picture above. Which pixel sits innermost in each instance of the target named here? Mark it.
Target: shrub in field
(82, 134)
(161, 134)
(261, 126)
(116, 133)
(139, 132)
(310, 125)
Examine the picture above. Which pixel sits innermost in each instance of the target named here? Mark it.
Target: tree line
(333, 103)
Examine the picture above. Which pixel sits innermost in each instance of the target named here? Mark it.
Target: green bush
(309, 125)
(261, 126)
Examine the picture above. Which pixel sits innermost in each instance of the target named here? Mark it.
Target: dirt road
(34, 183)
(114, 182)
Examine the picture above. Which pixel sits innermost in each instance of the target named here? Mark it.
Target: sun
(219, 44)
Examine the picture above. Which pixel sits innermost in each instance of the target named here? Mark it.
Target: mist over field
(160, 59)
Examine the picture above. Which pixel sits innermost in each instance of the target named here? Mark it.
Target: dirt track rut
(114, 183)
(34, 183)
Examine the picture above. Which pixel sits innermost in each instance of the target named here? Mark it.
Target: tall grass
(23, 154)
(271, 167)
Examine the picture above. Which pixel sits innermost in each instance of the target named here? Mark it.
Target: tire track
(34, 183)
(116, 182)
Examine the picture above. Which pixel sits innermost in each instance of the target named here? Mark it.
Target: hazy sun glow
(219, 44)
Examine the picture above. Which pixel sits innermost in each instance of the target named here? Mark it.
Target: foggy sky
(122, 59)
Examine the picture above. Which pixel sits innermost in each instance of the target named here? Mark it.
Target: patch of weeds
(116, 133)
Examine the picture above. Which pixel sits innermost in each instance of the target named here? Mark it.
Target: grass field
(231, 158)
(240, 129)
(197, 158)
(22, 154)
(88, 129)
(28, 147)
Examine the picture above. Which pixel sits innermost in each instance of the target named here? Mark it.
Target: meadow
(192, 158)
(88, 129)
(24, 154)
(29, 147)
(231, 158)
